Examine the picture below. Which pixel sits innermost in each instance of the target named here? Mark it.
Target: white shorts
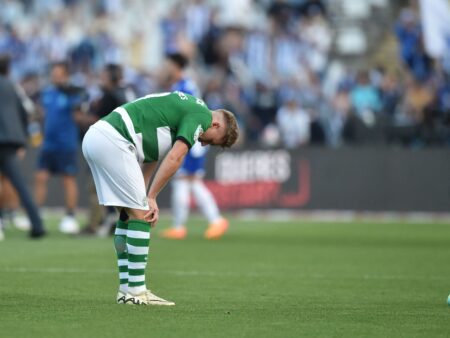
(114, 165)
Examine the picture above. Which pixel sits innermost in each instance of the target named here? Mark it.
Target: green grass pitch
(264, 279)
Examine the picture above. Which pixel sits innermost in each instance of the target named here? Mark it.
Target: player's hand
(152, 215)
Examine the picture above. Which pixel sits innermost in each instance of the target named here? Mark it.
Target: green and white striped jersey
(154, 122)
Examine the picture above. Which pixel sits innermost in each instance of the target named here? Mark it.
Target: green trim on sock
(138, 225)
(137, 241)
(123, 255)
(137, 258)
(134, 248)
(136, 272)
(121, 225)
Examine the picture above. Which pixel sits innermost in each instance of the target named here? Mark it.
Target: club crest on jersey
(198, 132)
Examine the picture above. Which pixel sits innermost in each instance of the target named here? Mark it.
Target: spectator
(390, 94)
(340, 110)
(294, 123)
(314, 31)
(410, 37)
(364, 96)
(416, 99)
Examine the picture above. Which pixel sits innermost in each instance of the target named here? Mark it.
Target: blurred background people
(13, 133)
(58, 156)
(245, 64)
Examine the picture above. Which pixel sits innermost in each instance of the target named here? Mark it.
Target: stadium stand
(251, 63)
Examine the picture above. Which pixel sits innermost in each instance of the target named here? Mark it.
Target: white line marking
(218, 274)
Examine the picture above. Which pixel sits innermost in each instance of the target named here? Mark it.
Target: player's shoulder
(189, 98)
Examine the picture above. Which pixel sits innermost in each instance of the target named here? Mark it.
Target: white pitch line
(217, 274)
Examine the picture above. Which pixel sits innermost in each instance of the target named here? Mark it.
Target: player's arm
(167, 169)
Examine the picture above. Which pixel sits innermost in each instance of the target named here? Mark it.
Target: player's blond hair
(232, 128)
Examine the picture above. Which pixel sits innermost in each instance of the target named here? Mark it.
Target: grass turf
(264, 279)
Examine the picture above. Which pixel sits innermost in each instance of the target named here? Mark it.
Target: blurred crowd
(267, 61)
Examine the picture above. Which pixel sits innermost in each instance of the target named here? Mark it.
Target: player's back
(158, 120)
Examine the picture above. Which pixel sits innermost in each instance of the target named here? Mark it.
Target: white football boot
(120, 298)
(146, 298)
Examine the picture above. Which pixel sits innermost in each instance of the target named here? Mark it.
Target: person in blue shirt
(189, 177)
(58, 156)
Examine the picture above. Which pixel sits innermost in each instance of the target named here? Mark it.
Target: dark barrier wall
(346, 179)
(315, 178)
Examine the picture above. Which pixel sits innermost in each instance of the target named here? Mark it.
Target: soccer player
(159, 127)
(190, 176)
(61, 102)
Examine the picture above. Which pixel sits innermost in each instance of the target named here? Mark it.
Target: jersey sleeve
(191, 126)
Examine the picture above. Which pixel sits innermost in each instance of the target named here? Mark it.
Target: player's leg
(69, 224)
(208, 206)
(180, 202)
(40, 186)
(41, 177)
(11, 204)
(65, 163)
(119, 182)
(120, 235)
(2, 235)
(10, 167)
(138, 243)
(120, 245)
(180, 209)
(205, 201)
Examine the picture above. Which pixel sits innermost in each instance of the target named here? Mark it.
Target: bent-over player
(158, 127)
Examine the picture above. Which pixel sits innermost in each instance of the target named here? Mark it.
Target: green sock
(138, 241)
(120, 244)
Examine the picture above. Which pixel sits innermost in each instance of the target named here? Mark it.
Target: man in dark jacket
(13, 126)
